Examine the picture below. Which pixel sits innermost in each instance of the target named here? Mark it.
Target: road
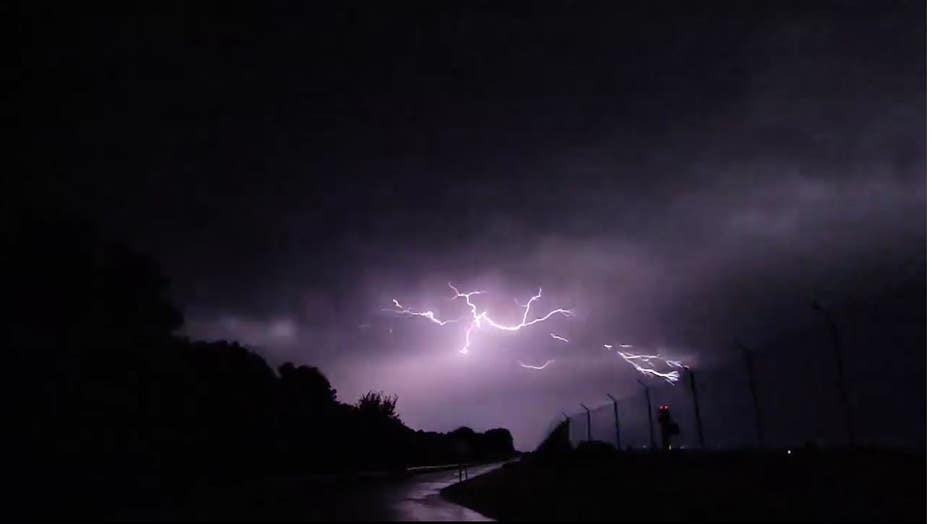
(414, 498)
(418, 498)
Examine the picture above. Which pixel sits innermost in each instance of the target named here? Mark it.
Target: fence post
(842, 388)
(752, 384)
(588, 423)
(692, 387)
(617, 426)
(650, 417)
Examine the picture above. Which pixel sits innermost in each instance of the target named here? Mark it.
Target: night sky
(682, 175)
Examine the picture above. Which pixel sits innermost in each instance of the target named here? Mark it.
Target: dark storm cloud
(681, 175)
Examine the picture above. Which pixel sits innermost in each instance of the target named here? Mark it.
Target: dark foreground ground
(603, 485)
(376, 496)
(397, 497)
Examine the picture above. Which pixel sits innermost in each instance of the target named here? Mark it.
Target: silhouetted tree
(497, 443)
(378, 405)
(103, 392)
(308, 384)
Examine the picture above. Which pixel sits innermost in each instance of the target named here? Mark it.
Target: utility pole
(588, 423)
(650, 417)
(842, 389)
(617, 426)
(752, 383)
(692, 387)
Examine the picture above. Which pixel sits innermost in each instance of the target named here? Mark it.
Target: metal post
(568, 426)
(752, 383)
(650, 416)
(588, 423)
(617, 426)
(842, 389)
(692, 387)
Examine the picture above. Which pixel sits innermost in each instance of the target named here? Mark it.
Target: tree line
(100, 385)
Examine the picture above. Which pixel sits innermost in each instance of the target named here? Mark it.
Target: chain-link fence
(633, 431)
(797, 398)
(637, 426)
(726, 412)
(880, 334)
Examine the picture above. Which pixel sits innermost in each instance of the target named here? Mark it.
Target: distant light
(789, 452)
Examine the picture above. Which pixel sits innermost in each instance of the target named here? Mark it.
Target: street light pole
(650, 417)
(842, 389)
(617, 426)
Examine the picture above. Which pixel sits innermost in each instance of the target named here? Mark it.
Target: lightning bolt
(634, 359)
(558, 337)
(524, 321)
(542, 366)
(634, 356)
(429, 315)
(480, 317)
(476, 317)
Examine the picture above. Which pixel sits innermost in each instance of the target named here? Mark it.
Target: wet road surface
(412, 498)
(418, 498)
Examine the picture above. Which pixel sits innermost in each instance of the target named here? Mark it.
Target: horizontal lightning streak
(544, 365)
(429, 315)
(634, 356)
(630, 358)
(558, 337)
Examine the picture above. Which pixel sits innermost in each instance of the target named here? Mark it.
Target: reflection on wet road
(418, 498)
(317, 499)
